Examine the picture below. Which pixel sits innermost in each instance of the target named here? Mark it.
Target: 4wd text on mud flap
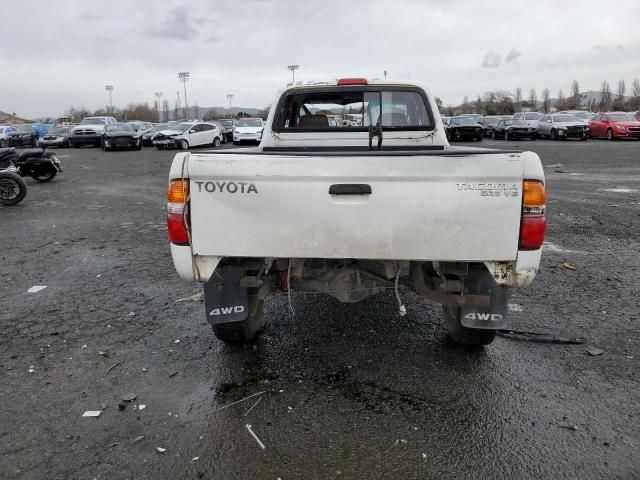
(487, 317)
(227, 310)
(229, 187)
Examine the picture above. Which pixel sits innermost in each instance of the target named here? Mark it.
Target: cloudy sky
(61, 53)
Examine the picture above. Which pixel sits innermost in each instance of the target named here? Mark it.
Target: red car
(613, 125)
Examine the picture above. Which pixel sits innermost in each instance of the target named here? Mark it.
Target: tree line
(501, 102)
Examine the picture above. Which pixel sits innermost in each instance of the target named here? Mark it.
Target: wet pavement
(336, 391)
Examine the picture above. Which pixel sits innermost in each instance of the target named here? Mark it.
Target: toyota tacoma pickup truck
(355, 209)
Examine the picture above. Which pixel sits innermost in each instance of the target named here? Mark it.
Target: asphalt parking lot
(349, 391)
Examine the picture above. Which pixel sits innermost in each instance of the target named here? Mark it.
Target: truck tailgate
(441, 206)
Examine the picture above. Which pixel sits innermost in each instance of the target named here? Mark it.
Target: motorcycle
(36, 163)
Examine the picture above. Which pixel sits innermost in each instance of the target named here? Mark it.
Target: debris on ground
(31, 369)
(594, 351)
(142, 407)
(569, 427)
(569, 266)
(238, 401)
(174, 373)
(160, 449)
(138, 438)
(540, 336)
(176, 341)
(83, 346)
(248, 427)
(36, 288)
(129, 397)
(92, 413)
(195, 458)
(122, 405)
(194, 298)
(252, 407)
(112, 367)
(555, 165)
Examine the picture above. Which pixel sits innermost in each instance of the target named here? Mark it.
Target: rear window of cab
(353, 109)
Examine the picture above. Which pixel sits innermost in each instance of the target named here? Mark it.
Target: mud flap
(494, 317)
(224, 299)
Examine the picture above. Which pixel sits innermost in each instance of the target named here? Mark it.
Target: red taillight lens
(177, 195)
(533, 222)
(177, 229)
(532, 233)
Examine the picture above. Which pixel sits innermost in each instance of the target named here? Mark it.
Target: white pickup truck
(354, 208)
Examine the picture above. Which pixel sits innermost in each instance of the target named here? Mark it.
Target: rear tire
(506, 135)
(245, 331)
(184, 145)
(462, 335)
(493, 135)
(216, 142)
(554, 135)
(610, 134)
(45, 176)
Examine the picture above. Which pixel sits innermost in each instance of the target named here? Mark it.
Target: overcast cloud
(62, 53)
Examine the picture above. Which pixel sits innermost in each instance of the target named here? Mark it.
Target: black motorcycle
(36, 163)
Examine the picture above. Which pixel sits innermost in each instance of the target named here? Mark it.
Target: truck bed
(454, 204)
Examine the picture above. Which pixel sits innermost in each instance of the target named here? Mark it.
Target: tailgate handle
(350, 189)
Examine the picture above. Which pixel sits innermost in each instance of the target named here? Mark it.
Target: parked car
(615, 125)
(489, 122)
(513, 129)
(637, 115)
(561, 126)
(189, 134)
(228, 124)
(5, 130)
(150, 135)
(140, 127)
(23, 136)
(120, 135)
(248, 130)
(312, 210)
(465, 128)
(580, 115)
(478, 117)
(89, 131)
(529, 118)
(58, 136)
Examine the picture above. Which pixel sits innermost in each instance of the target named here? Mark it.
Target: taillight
(352, 81)
(177, 195)
(533, 222)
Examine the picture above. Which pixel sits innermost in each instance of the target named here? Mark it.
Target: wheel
(610, 134)
(65, 144)
(216, 142)
(245, 331)
(184, 145)
(138, 146)
(554, 135)
(584, 138)
(506, 135)
(534, 137)
(493, 135)
(479, 139)
(46, 174)
(104, 146)
(12, 188)
(3, 143)
(462, 335)
(236, 143)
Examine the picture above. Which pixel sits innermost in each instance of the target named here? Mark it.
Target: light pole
(293, 69)
(158, 100)
(385, 74)
(109, 88)
(183, 77)
(230, 97)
